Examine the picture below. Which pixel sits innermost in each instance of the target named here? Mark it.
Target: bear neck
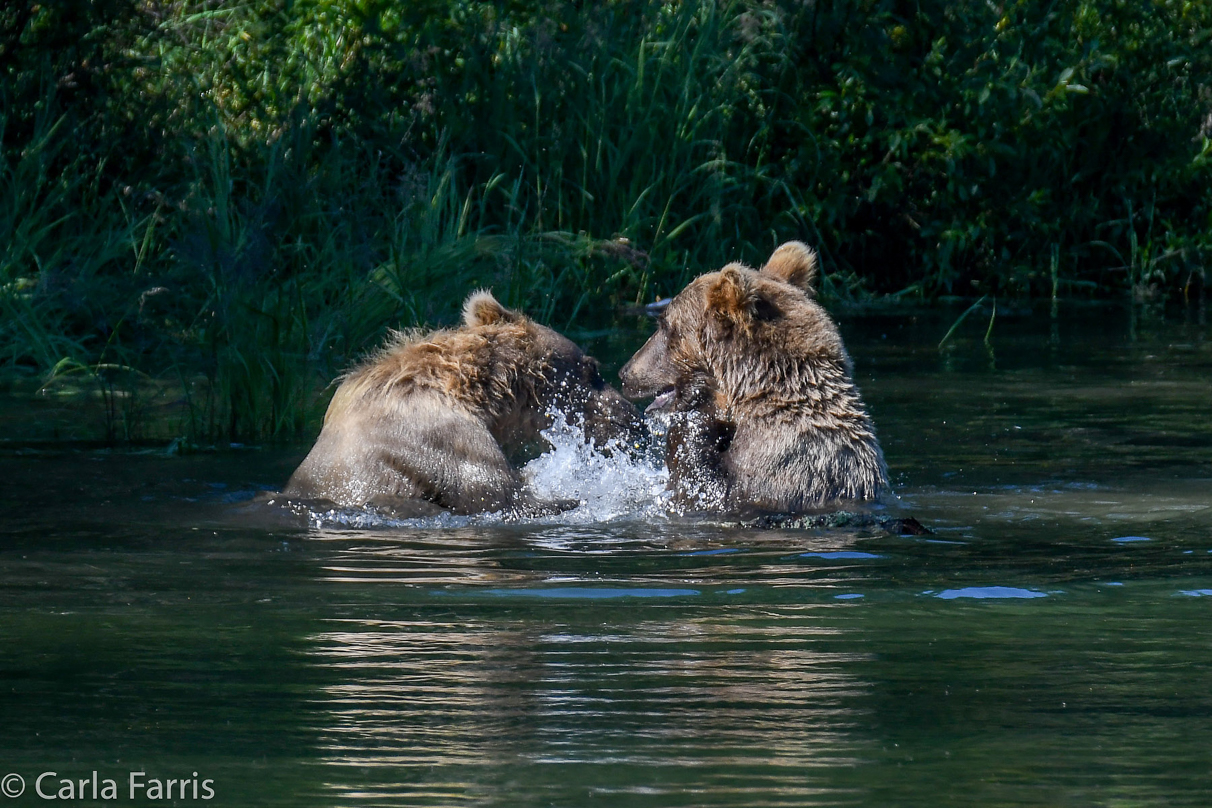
(784, 387)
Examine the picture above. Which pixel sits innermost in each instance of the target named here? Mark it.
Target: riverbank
(241, 200)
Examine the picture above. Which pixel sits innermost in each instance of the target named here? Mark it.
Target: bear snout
(649, 372)
(630, 385)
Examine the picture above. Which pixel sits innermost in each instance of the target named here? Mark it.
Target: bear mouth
(663, 401)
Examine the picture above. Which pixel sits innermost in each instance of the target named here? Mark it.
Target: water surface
(1049, 645)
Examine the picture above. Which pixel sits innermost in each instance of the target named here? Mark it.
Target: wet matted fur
(429, 423)
(763, 407)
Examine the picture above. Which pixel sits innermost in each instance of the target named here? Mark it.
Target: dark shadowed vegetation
(209, 209)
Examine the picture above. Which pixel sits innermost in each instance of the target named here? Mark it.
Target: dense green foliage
(236, 199)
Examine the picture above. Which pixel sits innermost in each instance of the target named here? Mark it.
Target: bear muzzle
(649, 372)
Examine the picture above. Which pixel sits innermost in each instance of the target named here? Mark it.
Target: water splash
(611, 484)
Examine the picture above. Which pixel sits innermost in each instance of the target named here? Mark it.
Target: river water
(1050, 643)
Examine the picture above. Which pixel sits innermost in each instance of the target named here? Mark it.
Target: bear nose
(628, 380)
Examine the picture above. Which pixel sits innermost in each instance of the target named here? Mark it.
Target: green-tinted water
(152, 621)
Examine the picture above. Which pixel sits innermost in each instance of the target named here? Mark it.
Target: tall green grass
(210, 209)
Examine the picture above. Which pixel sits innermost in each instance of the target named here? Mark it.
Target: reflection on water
(615, 703)
(1048, 645)
(981, 592)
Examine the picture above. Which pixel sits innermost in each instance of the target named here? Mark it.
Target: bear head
(554, 374)
(738, 333)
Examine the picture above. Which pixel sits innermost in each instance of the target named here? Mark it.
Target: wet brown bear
(764, 412)
(425, 426)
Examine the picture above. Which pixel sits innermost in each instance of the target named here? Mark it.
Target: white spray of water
(611, 484)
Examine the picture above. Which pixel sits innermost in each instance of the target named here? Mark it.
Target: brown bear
(764, 413)
(426, 425)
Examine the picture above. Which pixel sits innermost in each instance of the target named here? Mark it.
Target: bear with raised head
(429, 424)
(763, 411)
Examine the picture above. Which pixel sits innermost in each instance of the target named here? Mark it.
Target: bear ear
(731, 296)
(482, 308)
(793, 263)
